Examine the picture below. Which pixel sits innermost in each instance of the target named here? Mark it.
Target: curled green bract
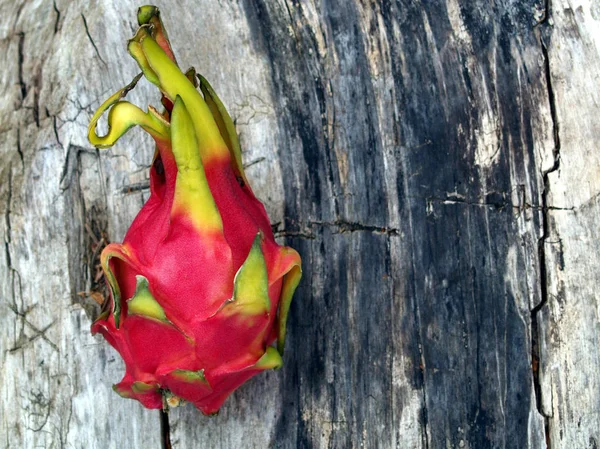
(123, 116)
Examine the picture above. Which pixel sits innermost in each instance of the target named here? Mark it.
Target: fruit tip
(146, 12)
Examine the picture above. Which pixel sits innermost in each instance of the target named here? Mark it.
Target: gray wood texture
(435, 163)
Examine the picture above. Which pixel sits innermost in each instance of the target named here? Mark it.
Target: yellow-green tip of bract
(192, 192)
(190, 376)
(251, 284)
(147, 13)
(225, 124)
(144, 304)
(271, 359)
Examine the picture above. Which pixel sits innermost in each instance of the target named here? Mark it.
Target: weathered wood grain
(570, 315)
(435, 163)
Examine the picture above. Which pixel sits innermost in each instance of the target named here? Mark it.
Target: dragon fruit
(199, 289)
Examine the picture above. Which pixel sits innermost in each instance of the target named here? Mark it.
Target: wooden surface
(435, 163)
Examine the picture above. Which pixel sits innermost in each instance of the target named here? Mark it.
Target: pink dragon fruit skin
(199, 289)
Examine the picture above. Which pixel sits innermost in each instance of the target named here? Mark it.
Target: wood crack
(254, 162)
(20, 60)
(496, 204)
(57, 22)
(71, 159)
(353, 226)
(135, 187)
(7, 223)
(38, 333)
(55, 128)
(87, 31)
(535, 319)
(305, 230)
(19, 149)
